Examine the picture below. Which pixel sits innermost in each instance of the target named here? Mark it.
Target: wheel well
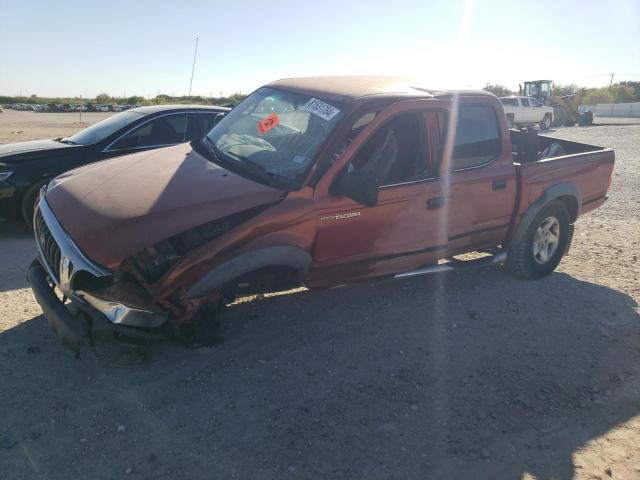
(572, 206)
(28, 192)
(263, 280)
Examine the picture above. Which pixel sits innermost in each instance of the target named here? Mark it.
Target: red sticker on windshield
(268, 123)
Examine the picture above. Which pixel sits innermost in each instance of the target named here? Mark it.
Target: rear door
(525, 110)
(481, 179)
(535, 112)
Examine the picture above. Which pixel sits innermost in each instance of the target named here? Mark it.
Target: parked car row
(66, 107)
(313, 181)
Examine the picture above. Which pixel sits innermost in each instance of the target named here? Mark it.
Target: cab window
(398, 151)
(477, 137)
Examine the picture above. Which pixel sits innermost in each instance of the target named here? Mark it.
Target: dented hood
(115, 208)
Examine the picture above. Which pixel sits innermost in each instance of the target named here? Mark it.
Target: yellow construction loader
(565, 108)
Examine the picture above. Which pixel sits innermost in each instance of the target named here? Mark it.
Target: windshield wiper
(66, 141)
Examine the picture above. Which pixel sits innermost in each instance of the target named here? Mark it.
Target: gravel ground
(468, 375)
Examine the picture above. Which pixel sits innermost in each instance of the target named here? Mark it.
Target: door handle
(434, 203)
(499, 184)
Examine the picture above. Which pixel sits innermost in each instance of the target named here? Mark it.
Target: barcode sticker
(321, 109)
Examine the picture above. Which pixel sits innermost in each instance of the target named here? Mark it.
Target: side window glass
(525, 102)
(199, 125)
(167, 130)
(396, 152)
(477, 137)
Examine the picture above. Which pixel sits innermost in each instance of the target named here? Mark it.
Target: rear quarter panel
(590, 171)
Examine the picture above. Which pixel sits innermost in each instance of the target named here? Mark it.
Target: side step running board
(453, 264)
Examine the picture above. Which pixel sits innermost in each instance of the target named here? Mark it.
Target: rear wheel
(545, 123)
(539, 251)
(585, 118)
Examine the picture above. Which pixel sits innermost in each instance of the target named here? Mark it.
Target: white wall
(613, 109)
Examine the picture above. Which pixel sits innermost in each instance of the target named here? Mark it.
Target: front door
(404, 229)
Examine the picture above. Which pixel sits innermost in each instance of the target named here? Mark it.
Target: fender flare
(279, 256)
(562, 189)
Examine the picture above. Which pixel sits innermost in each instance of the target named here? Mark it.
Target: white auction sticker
(321, 109)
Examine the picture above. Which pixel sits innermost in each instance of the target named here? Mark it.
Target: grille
(48, 246)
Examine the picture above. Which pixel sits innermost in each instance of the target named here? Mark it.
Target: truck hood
(115, 208)
(21, 150)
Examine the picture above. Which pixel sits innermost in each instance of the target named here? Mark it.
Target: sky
(135, 47)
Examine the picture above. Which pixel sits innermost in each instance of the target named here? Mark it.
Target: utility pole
(80, 109)
(611, 83)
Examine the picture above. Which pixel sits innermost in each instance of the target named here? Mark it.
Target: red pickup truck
(309, 181)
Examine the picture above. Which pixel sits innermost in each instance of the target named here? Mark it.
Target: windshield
(103, 129)
(274, 135)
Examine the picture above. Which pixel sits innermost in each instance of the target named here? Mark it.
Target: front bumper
(74, 330)
(70, 330)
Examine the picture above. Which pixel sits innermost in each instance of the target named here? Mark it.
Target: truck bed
(530, 147)
(543, 161)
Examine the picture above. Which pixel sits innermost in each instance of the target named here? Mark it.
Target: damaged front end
(77, 294)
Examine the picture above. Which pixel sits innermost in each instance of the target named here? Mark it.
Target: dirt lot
(16, 126)
(470, 375)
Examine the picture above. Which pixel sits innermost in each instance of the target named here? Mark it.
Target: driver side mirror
(359, 187)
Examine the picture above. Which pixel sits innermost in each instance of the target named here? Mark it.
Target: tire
(545, 123)
(585, 118)
(528, 258)
(29, 199)
(560, 116)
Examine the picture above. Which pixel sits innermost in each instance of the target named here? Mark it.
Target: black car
(26, 166)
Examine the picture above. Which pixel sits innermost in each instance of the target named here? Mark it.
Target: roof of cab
(163, 108)
(350, 88)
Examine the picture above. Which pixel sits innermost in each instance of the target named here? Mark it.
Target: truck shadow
(471, 375)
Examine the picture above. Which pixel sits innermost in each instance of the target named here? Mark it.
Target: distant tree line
(106, 99)
(621, 92)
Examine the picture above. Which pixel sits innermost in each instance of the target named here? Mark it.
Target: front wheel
(539, 251)
(29, 201)
(560, 115)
